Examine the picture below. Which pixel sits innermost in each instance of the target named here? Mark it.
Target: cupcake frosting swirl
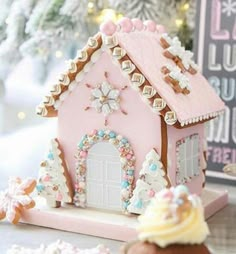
(173, 217)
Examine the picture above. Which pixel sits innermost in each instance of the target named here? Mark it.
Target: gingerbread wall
(140, 126)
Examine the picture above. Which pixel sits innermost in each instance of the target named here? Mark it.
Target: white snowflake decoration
(229, 7)
(177, 50)
(176, 74)
(105, 99)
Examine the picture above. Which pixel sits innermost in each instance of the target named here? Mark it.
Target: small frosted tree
(54, 182)
(151, 180)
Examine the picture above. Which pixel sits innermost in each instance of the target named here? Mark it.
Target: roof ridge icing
(106, 39)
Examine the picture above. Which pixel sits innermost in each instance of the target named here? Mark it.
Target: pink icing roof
(144, 49)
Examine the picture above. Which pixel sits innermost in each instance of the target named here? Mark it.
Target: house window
(188, 159)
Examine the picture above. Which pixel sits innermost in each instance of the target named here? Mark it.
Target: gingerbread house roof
(160, 69)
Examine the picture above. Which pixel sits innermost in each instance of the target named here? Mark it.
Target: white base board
(102, 223)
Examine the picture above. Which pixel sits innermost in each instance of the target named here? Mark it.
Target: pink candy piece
(126, 177)
(160, 29)
(126, 25)
(138, 24)
(128, 156)
(151, 193)
(83, 154)
(46, 178)
(150, 25)
(108, 28)
(94, 132)
(121, 149)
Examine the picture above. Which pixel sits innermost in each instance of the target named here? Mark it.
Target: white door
(104, 176)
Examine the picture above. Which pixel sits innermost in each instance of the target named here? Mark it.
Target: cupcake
(173, 223)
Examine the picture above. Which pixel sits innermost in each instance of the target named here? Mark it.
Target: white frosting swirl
(173, 219)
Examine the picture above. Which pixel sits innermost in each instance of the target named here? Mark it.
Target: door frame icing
(127, 160)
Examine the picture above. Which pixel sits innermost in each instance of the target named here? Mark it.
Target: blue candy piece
(101, 133)
(130, 172)
(81, 145)
(139, 204)
(179, 189)
(126, 203)
(50, 156)
(124, 140)
(40, 187)
(112, 134)
(125, 184)
(153, 167)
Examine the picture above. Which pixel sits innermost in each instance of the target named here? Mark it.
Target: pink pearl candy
(150, 25)
(108, 28)
(126, 25)
(126, 177)
(83, 154)
(160, 29)
(138, 24)
(94, 132)
(128, 156)
(46, 178)
(151, 193)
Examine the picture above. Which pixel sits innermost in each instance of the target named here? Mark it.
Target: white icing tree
(54, 182)
(151, 180)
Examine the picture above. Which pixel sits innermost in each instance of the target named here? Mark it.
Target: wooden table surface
(222, 226)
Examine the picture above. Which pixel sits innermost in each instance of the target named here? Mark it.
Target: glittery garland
(127, 159)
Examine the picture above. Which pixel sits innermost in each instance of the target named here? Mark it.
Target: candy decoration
(105, 99)
(54, 182)
(127, 66)
(150, 25)
(127, 159)
(16, 198)
(152, 178)
(110, 41)
(82, 55)
(108, 28)
(158, 104)
(175, 51)
(126, 25)
(176, 79)
(170, 117)
(92, 42)
(138, 24)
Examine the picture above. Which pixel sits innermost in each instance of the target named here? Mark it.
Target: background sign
(215, 53)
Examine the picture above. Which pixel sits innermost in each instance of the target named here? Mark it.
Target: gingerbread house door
(104, 176)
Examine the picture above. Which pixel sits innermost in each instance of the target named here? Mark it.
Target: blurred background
(36, 37)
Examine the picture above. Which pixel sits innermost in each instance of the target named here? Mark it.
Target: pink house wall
(195, 186)
(141, 126)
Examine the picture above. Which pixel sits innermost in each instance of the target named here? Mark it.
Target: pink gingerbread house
(131, 110)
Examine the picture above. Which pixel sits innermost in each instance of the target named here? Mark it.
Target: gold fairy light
(90, 7)
(186, 6)
(58, 54)
(21, 115)
(108, 14)
(179, 22)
